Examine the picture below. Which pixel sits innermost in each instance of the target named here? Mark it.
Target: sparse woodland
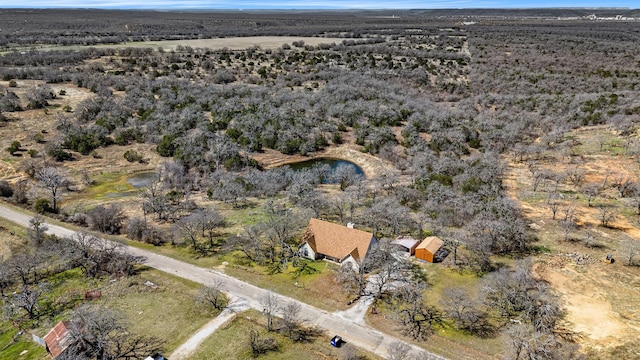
(449, 109)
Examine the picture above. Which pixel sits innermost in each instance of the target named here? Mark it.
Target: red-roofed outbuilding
(59, 338)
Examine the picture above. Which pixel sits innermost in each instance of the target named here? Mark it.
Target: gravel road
(358, 334)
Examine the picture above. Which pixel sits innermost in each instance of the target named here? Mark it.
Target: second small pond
(141, 180)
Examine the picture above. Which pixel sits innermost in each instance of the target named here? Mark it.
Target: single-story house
(59, 338)
(338, 243)
(406, 243)
(428, 248)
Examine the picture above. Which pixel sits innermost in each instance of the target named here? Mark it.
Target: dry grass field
(602, 300)
(231, 43)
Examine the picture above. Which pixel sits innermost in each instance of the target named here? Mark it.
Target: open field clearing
(231, 43)
(602, 300)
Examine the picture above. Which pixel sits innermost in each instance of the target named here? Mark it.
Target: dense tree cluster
(439, 102)
(27, 272)
(209, 109)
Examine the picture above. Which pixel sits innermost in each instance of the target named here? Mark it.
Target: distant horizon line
(328, 8)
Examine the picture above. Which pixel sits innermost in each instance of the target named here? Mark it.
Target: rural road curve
(358, 334)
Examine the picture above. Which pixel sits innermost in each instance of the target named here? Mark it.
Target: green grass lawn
(170, 312)
(232, 342)
(316, 289)
(11, 350)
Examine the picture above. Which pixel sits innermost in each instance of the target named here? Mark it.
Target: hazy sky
(314, 4)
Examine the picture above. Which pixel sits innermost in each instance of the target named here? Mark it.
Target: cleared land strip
(359, 335)
(230, 43)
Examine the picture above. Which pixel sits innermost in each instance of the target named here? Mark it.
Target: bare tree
(25, 266)
(517, 341)
(155, 200)
(537, 176)
(20, 191)
(411, 310)
(37, 230)
(591, 190)
(352, 278)
(53, 180)
(553, 202)
(466, 311)
(108, 218)
(607, 174)
(526, 343)
(388, 214)
(270, 303)
(220, 149)
(626, 186)
(385, 268)
(506, 290)
(30, 299)
(210, 220)
(291, 317)
(248, 242)
(453, 244)
(590, 240)
(630, 248)
(37, 96)
(607, 215)
(457, 302)
(398, 351)
(575, 176)
(341, 203)
(227, 187)
(101, 333)
(602, 139)
(190, 228)
(96, 256)
(557, 178)
(345, 176)
(213, 295)
(260, 345)
(279, 230)
(568, 221)
(200, 223)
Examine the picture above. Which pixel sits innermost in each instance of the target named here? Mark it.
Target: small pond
(332, 165)
(141, 180)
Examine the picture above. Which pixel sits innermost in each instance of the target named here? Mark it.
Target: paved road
(249, 295)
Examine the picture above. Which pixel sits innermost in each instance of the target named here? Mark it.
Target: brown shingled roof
(431, 243)
(337, 241)
(58, 338)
